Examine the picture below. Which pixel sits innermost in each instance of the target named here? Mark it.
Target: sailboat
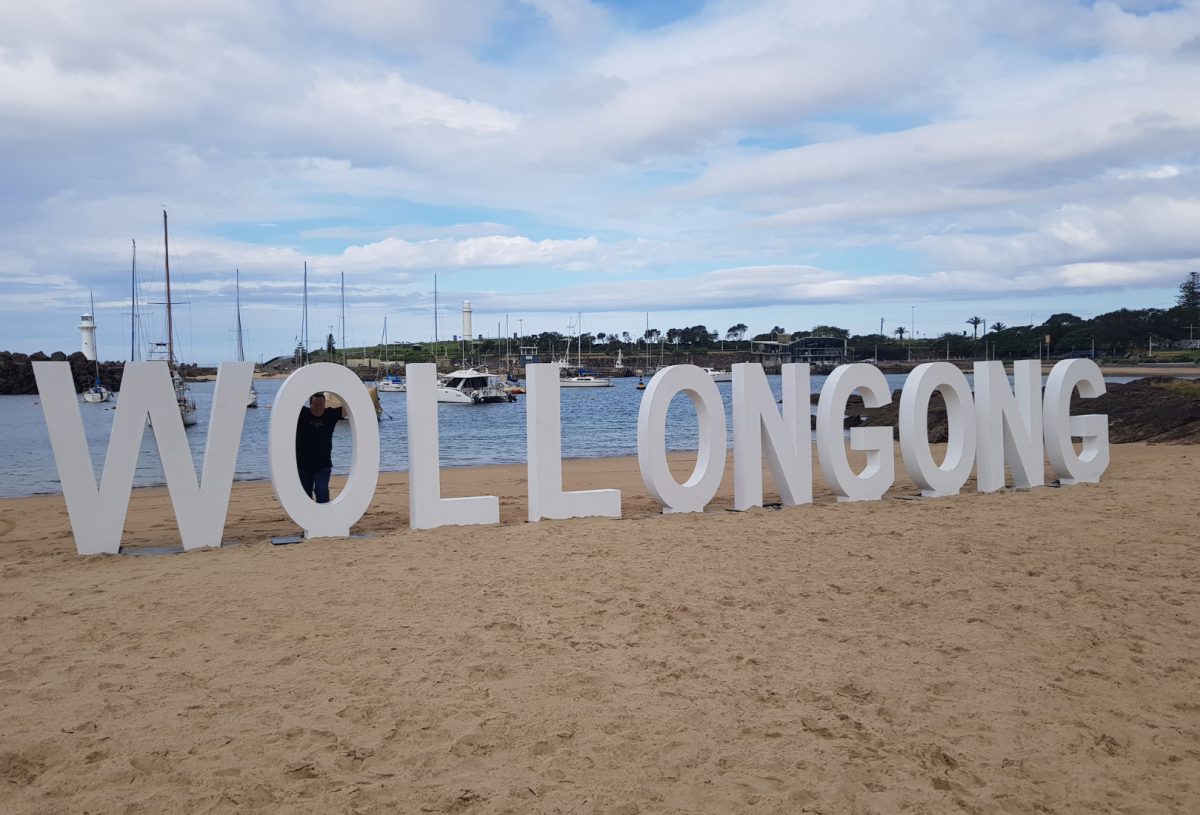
(387, 382)
(183, 393)
(641, 385)
(96, 393)
(252, 397)
(581, 378)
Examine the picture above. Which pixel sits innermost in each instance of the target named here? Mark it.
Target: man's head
(316, 404)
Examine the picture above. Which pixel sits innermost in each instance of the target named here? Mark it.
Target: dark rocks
(1159, 409)
(16, 372)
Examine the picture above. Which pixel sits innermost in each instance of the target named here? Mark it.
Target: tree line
(1116, 334)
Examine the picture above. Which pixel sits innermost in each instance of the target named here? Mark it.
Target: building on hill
(820, 352)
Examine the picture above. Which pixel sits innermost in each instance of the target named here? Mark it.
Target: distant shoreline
(1151, 369)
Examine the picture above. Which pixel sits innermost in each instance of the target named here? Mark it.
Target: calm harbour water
(596, 422)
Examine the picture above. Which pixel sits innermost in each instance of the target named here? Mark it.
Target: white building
(87, 336)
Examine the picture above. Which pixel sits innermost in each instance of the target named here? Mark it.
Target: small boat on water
(252, 396)
(388, 382)
(472, 387)
(391, 384)
(719, 376)
(582, 378)
(97, 393)
(166, 350)
(584, 381)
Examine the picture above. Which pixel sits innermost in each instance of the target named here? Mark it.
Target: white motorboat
(472, 387)
(584, 381)
(719, 376)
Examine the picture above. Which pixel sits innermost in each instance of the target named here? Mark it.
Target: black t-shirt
(314, 438)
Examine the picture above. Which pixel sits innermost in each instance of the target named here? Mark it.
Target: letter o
(699, 489)
(948, 478)
(334, 519)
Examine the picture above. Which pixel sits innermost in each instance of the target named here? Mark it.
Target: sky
(769, 163)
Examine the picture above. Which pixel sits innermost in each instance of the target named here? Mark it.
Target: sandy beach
(1005, 653)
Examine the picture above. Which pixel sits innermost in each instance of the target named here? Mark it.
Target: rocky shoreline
(16, 372)
(1156, 409)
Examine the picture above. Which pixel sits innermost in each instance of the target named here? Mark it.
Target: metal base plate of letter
(285, 540)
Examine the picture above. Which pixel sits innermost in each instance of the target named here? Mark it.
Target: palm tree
(900, 332)
(975, 322)
(998, 327)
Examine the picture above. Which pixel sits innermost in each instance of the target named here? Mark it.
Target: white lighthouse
(467, 320)
(87, 336)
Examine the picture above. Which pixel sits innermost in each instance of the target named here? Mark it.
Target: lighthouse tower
(87, 336)
(467, 320)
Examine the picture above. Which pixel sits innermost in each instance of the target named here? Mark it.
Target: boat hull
(572, 382)
(97, 395)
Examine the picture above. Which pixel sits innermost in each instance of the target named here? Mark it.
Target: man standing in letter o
(314, 446)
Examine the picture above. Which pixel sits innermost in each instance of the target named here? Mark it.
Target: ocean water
(596, 422)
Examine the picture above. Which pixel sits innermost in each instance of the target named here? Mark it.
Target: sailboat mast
(304, 331)
(95, 347)
(435, 325)
(133, 304)
(237, 287)
(647, 341)
(170, 322)
(343, 274)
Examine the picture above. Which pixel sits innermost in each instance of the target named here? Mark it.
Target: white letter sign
(543, 442)
(427, 508)
(1060, 425)
(946, 479)
(787, 438)
(880, 472)
(699, 489)
(1009, 425)
(334, 519)
(98, 516)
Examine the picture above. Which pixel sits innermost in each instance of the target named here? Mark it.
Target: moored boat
(584, 381)
(472, 387)
(97, 393)
(391, 384)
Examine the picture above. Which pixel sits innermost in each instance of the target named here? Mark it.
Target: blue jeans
(316, 481)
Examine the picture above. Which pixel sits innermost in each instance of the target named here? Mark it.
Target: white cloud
(483, 252)
(754, 154)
